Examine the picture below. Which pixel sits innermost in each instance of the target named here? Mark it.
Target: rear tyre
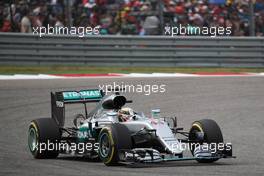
(212, 134)
(111, 140)
(43, 137)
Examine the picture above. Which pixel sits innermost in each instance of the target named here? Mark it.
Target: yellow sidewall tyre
(41, 133)
(212, 134)
(112, 140)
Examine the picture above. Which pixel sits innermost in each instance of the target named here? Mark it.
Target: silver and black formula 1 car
(115, 133)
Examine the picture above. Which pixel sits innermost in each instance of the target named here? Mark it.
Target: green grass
(89, 69)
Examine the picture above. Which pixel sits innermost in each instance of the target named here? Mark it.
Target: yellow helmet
(126, 111)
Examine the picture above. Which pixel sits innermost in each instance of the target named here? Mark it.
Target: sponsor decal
(59, 104)
(85, 94)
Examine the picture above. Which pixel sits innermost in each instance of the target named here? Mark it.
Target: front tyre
(111, 140)
(211, 135)
(43, 138)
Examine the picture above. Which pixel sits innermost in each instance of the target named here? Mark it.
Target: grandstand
(133, 17)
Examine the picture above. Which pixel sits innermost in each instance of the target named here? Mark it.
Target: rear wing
(60, 99)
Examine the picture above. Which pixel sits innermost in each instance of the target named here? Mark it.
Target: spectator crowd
(133, 17)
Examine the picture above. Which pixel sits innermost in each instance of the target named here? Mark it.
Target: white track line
(24, 76)
(131, 75)
(140, 75)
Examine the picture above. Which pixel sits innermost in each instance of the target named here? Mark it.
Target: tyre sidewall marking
(34, 126)
(109, 134)
(198, 125)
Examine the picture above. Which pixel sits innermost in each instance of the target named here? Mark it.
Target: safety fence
(161, 51)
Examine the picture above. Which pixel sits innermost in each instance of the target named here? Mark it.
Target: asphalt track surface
(236, 103)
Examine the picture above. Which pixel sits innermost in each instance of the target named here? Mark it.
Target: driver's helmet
(125, 113)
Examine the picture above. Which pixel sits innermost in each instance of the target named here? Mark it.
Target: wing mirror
(172, 122)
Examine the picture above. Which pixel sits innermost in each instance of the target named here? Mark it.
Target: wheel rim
(195, 128)
(104, 145)
(32, 140)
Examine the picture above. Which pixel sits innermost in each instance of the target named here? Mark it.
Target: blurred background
(133, 36)
(133, 17)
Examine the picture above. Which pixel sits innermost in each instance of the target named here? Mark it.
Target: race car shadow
(78, 158)
(175, 164)
(146, 165)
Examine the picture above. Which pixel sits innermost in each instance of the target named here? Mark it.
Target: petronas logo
(85, 94)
